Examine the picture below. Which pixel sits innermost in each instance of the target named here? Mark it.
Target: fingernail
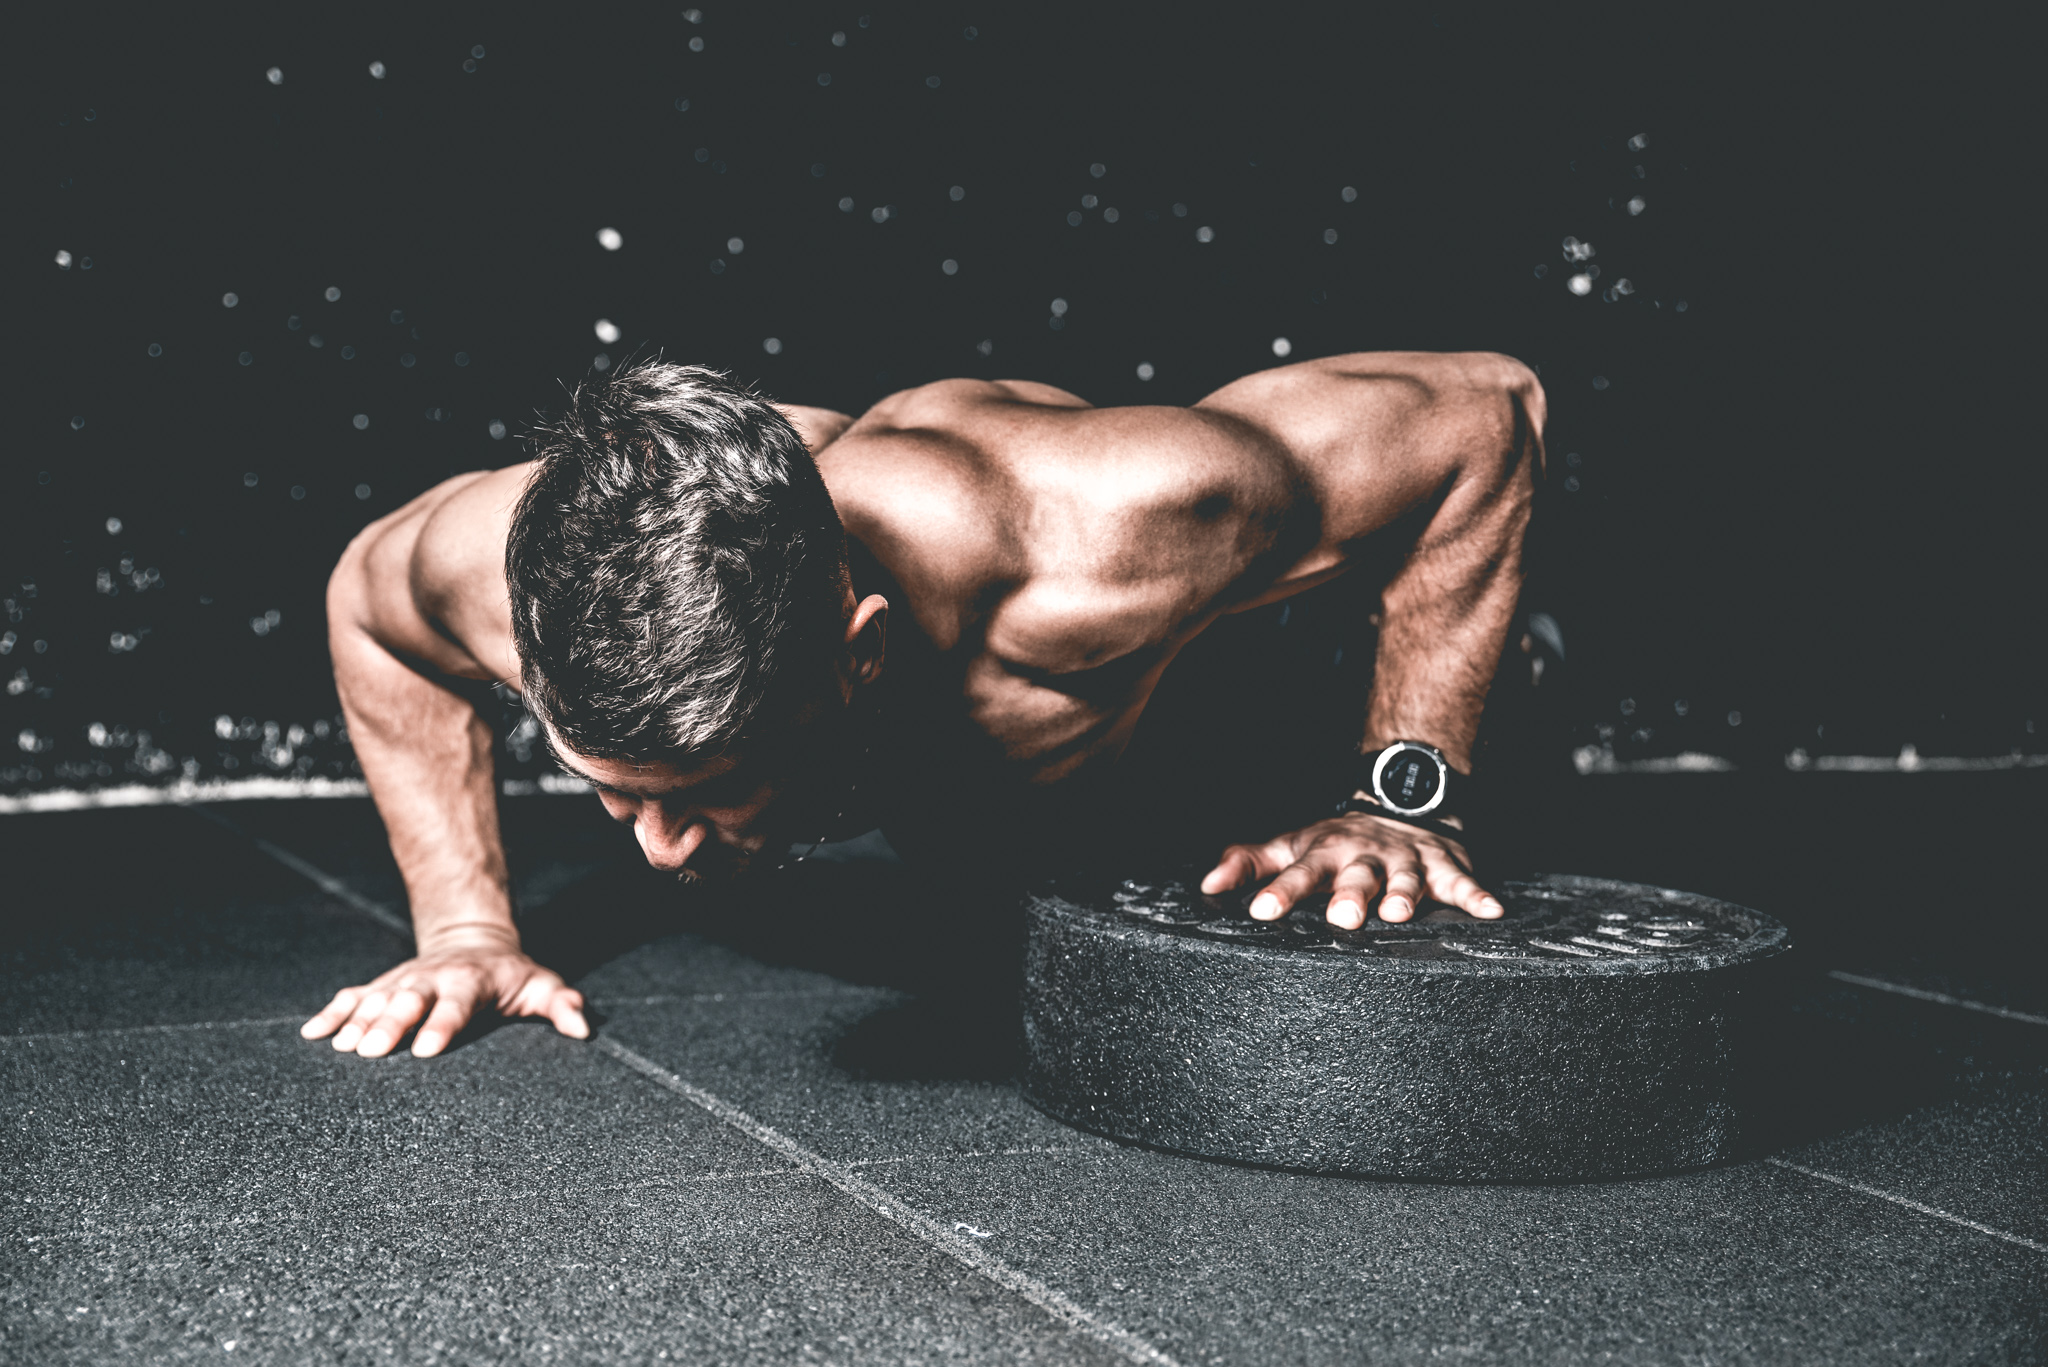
(1490, 907)
(425, 1046)
(1265, 907)
(374, 1043)
(1349, 915)
(1396, 909)
(346, 1040)
(580, 1028)
(307, 1030)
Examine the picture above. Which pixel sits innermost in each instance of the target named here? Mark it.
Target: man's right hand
(444, 986)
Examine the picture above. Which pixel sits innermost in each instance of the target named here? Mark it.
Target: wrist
(491, 936)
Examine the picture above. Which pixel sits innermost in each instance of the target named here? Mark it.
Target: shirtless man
(670, 587)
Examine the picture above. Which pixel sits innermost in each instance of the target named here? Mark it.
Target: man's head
(680, 600)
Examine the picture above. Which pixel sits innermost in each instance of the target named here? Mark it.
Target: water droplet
(1599, 382)
(1205, 234)
(1735, 719)
(1180, 211)
(230, 299)
(293, 322)
(407, 359)
(735, 245)
(1073, 218)
(1145, 370)
(469, 64)
(247, 358)
(682, 105)
(1638, 142)
(298, 493)
(1089, 201)
(1637, 205)
(931, 82)
(362, 491)
(601, 363)
(77, 423)
(156, 348)
(1348, 194)
(610, 239)
(1110, 215)
(607, 331)
(846, 205)
(824, 78)
(64, 259)
(1097, 170)
(1282, 347)
(985, 346)
(113, 526)
(1059, 308)
(361, 421)
(950, 266)
(275, 75)
(1573, 460)
(696, 45)
(1571, 484)
(880, 213)
(817, 170)
(772, 345)
(839, 38)
(249, 480)
(718, 266)
(1681, 306)
(462, 358)
(348, 353)
(1580, 284)
(477, 51)
(957, 193)
(695, 16)
(497, 429)
(1330, 236)
(377, 69)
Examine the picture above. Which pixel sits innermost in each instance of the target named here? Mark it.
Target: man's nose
(668, 841)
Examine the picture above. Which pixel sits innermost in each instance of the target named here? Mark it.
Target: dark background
(1806, 486)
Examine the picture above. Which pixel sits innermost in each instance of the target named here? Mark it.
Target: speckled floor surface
(794, 1140)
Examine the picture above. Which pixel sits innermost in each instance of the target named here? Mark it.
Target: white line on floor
(1909, 1204)
(968, 1251)
(263, 787)
(1944, 998)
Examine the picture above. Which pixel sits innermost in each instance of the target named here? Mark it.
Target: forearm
(1445, 616)
(427, 756)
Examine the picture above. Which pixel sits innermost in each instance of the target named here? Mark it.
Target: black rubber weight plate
(1599, 1029)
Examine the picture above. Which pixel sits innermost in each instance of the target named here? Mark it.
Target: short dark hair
(676, 567)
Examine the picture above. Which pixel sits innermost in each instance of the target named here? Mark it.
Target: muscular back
(1054, 557)
(1044, 559)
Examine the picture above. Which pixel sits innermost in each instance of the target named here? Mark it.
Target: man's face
(716, 820)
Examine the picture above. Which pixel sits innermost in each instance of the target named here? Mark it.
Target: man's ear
(867, 638)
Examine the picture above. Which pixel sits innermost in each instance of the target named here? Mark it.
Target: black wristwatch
(1412, 778)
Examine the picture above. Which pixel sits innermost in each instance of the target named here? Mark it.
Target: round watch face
(1409, 779)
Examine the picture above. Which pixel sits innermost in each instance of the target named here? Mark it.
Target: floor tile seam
(763, 994)
(318, 877)
(963, 1247)
(1024, 1151)
(1909, 1203)
(1941, 998)
(132, 1230)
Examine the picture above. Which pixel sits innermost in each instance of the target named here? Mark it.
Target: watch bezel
(1443, 777)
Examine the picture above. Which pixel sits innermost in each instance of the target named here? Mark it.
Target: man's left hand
(1357, 857)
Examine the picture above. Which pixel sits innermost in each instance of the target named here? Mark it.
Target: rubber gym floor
(795, 1138)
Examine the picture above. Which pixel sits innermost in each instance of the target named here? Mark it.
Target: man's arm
(1457, 439)
(419, 598)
